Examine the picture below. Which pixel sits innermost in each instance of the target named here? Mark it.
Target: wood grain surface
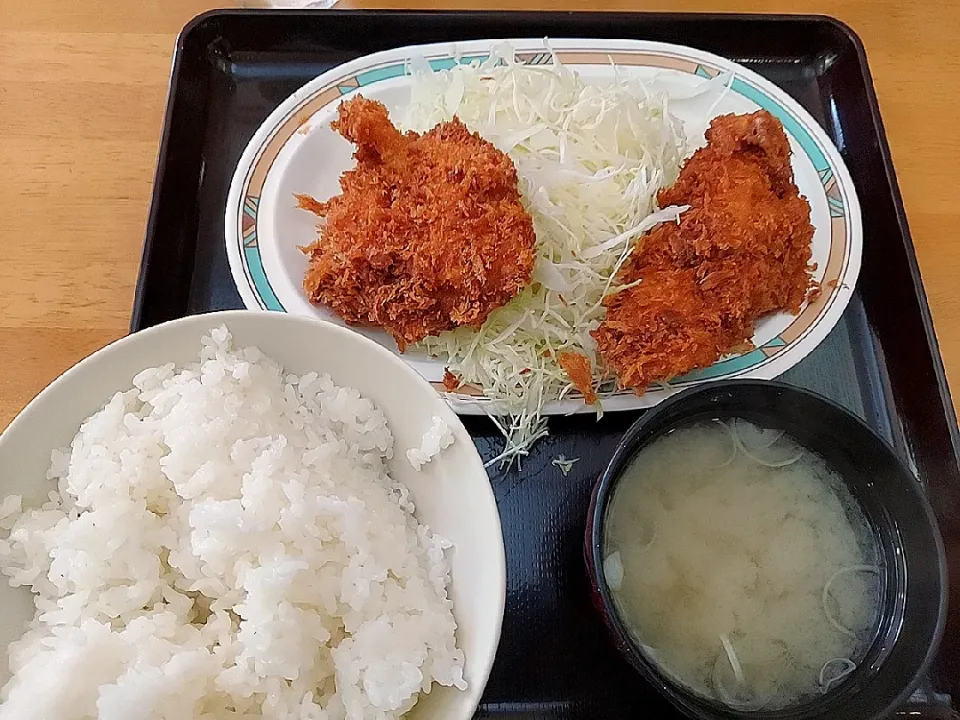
(82, 91)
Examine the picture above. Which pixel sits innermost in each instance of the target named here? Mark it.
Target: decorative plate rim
(804, 333)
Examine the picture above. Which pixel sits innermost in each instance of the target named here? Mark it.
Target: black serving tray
(232, 68)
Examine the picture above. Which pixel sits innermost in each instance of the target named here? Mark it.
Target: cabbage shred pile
(590, 158)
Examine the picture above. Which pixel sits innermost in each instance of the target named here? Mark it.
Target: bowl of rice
(245, 515)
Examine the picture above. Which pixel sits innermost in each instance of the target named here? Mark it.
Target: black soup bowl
(913, 583)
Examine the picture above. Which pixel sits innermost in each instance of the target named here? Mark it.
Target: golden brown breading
(450, 381)
(428, 234)
(741, 251)
(577, 368)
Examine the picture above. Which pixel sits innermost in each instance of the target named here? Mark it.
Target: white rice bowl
(237, 540)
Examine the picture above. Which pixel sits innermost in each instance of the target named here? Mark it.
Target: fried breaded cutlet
(428, 234)
(741, 251)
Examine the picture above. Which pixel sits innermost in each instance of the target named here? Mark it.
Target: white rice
(438, 438)
(225, 542)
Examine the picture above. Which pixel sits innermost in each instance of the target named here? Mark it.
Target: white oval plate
(295, 151)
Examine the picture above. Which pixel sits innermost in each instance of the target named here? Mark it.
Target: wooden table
(82, 91)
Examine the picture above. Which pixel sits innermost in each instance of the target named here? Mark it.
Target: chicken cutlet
(428, 234)
(741, 251)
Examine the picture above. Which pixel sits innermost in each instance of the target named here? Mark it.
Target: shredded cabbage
(591, 158)
(564, 463)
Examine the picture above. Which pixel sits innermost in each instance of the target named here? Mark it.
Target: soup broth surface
(742, 564)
